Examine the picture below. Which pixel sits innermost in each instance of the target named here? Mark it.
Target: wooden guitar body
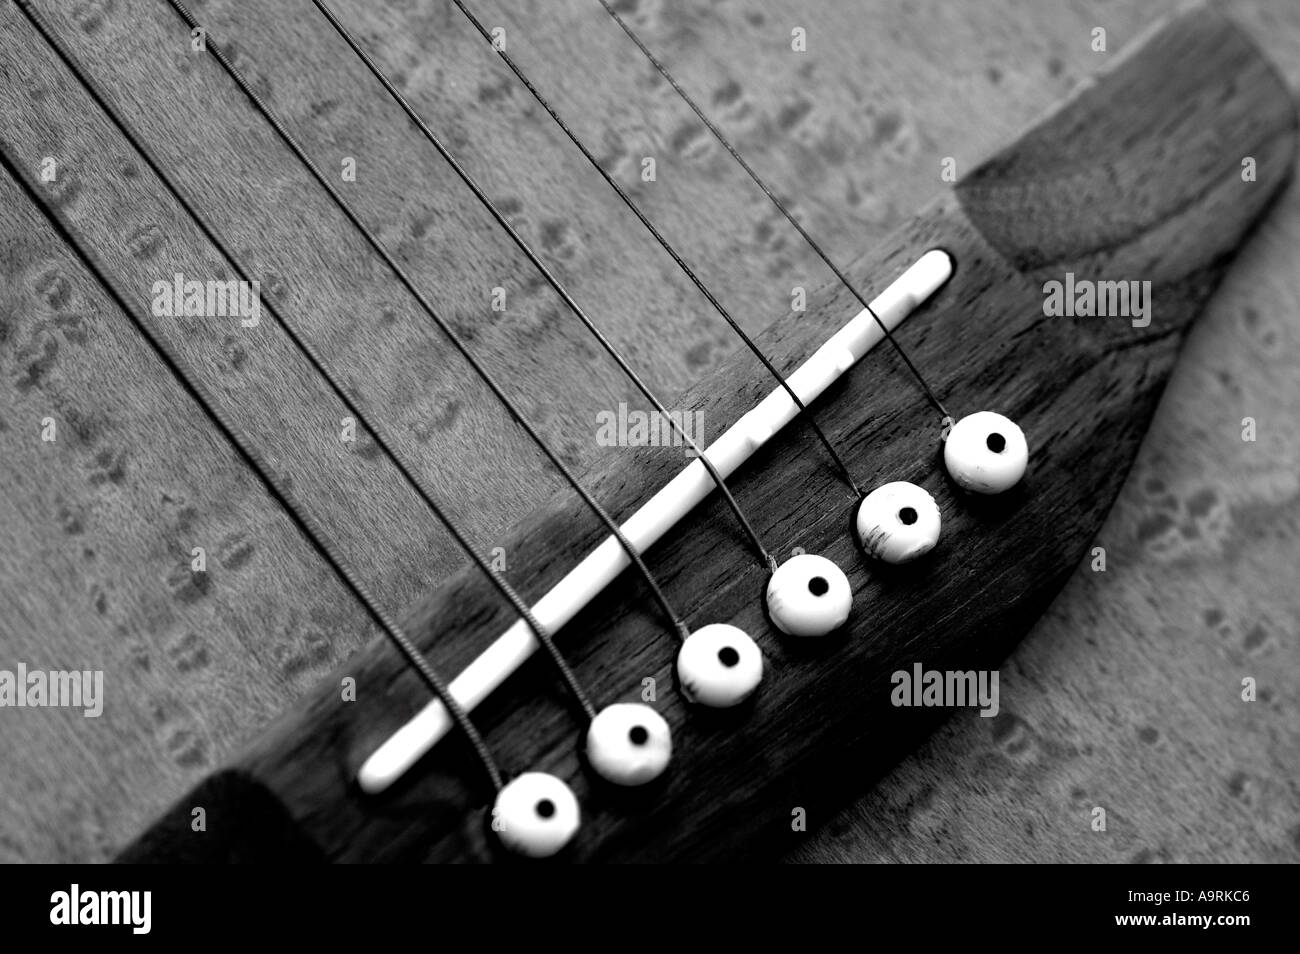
(1137, 178)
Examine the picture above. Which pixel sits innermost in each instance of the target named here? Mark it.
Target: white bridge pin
(898, 522)
(536, 815)
(986, 453)
(711, 682)
(629, 743)
(809, 595)
(719, 666)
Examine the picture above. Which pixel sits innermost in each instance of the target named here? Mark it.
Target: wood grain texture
(854, 131)
(1084, 390)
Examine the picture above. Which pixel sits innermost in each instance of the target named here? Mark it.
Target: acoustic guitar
(715, 568)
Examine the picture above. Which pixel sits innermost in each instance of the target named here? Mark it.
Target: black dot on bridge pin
(996, 443)
(728, 656)
(638, 735)
(545, 808)
(818, 586)
(907, 516)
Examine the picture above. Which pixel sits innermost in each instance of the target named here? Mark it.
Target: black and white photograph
(547, 432)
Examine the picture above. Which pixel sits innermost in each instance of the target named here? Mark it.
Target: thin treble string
(375, 431)
(552, 280)
(781, 206)
(307, 524)
(664, 244)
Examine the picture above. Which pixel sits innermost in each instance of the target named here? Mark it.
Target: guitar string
(780, 206)
(301, 516)
(546, 273)
(564, 295)
(666, 245)
(307, 524)
(406, 471)
(570, 679)
(650, 227)
(235, 74)
(678, 625)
